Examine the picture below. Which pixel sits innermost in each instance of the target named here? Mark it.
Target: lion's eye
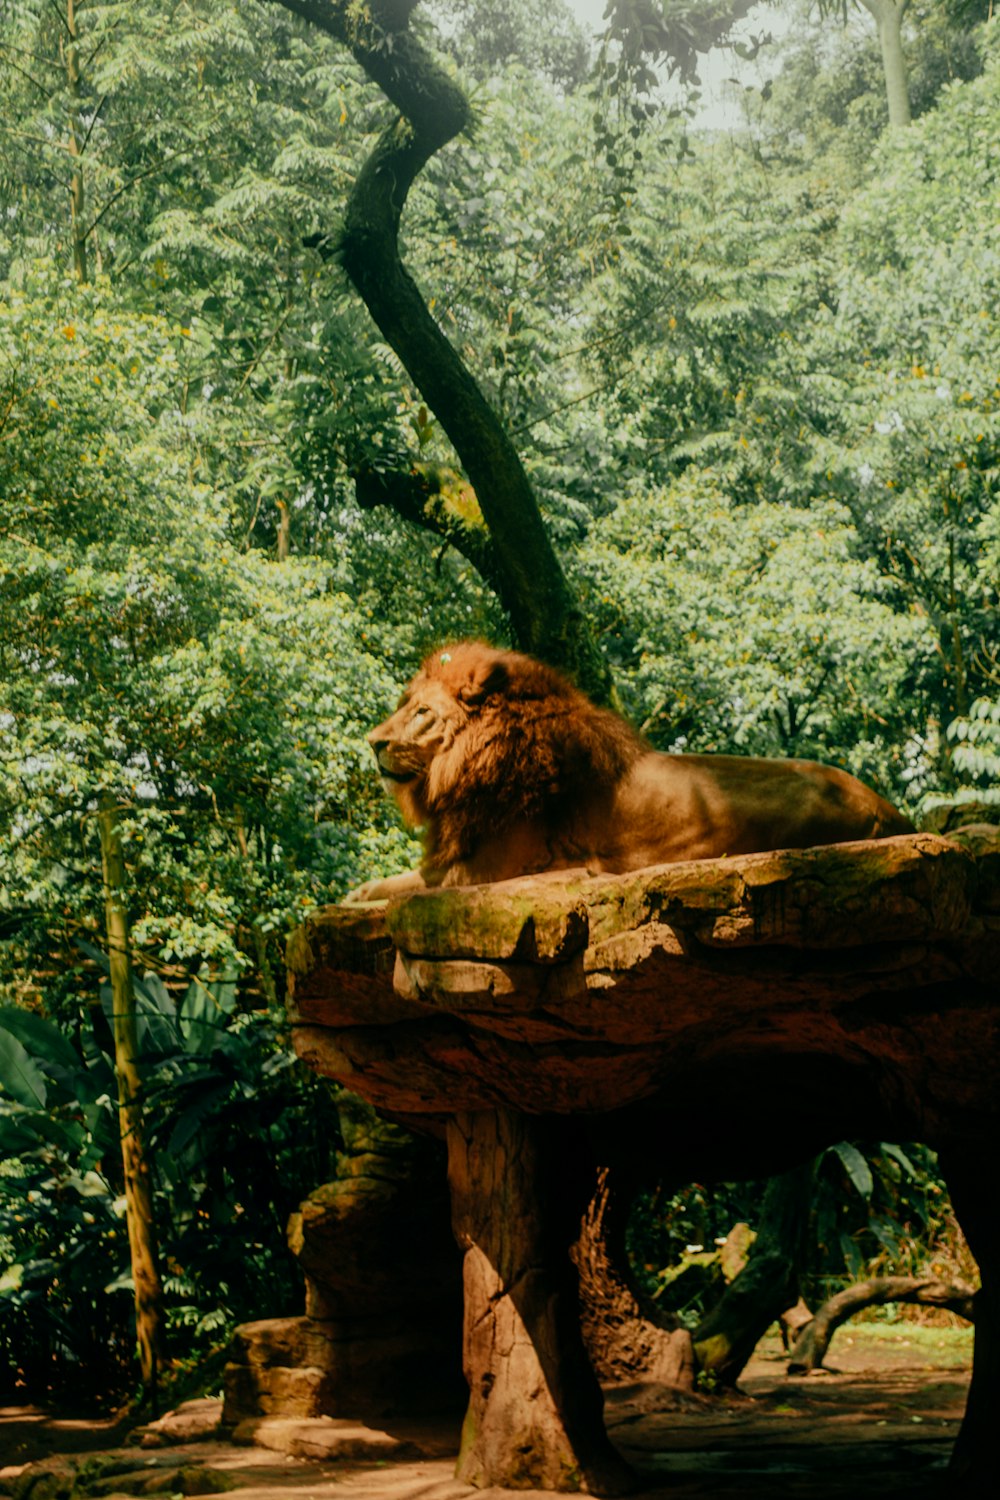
(419, 712)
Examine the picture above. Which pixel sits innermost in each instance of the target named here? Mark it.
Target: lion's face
(423, 727)
(422, 750)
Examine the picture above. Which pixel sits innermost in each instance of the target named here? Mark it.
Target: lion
(510, 770)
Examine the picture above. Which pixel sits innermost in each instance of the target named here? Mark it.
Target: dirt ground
(880, 1421)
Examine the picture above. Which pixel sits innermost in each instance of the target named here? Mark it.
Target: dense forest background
(752, 375)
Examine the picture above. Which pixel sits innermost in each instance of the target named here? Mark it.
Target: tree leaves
(19, 1075)
(42, 1037)
(856, 1167)
(225, 697)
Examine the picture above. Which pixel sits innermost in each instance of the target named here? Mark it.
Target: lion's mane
(527, 748)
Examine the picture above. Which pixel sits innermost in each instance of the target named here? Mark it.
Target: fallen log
(811, 1345)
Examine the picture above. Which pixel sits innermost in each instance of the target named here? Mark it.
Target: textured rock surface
(187, 1423)
(380, 1335)
(321, 1437)
(623, 1341)
(869, 967)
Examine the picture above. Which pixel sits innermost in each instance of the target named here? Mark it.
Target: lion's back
(683, 807)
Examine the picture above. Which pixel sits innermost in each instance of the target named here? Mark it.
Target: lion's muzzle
(397, 776)
(388, 769)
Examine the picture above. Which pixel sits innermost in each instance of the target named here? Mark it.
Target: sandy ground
(879, 1422)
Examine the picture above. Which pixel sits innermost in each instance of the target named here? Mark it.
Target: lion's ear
(489, 677)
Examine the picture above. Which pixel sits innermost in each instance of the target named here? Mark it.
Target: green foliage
(673, 31)
(207, 194)
(976, 753)
(172, 125)
(752, 629)
(222, 696)
(516, 227)
(828, 100)
(880, 1208)
(643, 39)
(918, 302)
(61, 1219)
(800, 361)
(489, 36)
(214, 1074)
(682, 1229)
(877, 1208)
(754, 384)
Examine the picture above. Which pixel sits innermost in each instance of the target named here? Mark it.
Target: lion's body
(511, 771)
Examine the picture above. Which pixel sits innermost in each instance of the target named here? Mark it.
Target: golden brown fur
(511, 771)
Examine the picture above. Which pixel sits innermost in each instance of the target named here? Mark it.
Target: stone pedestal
(718, 1019)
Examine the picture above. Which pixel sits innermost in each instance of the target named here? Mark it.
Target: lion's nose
(378, 741)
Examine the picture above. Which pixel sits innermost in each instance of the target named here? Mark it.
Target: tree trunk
(138, 1182)
(284, 541)
(813, 1341)
(544, 611)
(889, 20)
(77, 188)
(767, 1285)
(535, 1415)
(972, 1185)
(437, 500)
(624, 1343)
(792, 1321)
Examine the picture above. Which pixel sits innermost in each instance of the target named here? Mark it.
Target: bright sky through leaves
(720, 106)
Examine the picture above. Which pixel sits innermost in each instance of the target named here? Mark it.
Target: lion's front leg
(382, 890)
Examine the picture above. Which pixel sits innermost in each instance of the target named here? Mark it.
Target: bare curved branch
(813, 1341)
(544, 610)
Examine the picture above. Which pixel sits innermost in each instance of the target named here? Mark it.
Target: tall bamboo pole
(135, 1160)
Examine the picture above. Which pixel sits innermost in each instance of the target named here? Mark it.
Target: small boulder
(324, 1438)
(188, 1423)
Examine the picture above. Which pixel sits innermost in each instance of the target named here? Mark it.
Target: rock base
(381, 1334)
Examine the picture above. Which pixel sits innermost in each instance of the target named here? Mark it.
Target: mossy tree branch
(439, 500)
(767, 1284)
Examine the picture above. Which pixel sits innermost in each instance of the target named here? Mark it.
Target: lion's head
(485, 739)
